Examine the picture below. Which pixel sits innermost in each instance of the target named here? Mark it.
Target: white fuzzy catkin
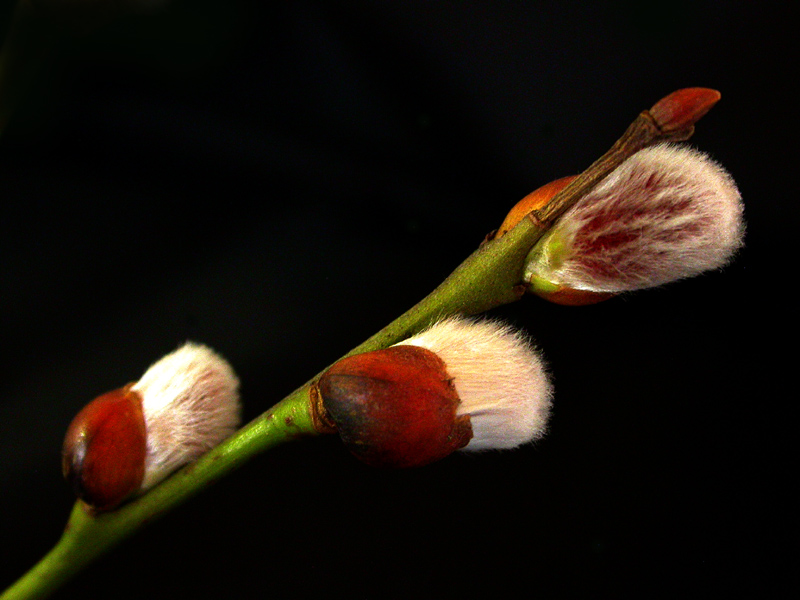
(666, 213)
(498, 376)
(190, 400)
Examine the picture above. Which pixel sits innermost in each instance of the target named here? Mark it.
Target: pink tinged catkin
(666, 213)
(190, 401)
(500, 379)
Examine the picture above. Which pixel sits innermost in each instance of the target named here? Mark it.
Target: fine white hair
(499, 377)
(190, 401)
(666, 213)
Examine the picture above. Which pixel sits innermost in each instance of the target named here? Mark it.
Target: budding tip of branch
(681, 109)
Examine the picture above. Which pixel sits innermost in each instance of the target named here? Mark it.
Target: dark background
(280, 180)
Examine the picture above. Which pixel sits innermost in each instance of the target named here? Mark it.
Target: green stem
(489, 277)
(87, 535)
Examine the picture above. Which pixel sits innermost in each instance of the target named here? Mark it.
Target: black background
(280, 180)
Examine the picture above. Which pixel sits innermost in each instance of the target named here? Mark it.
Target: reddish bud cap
(395, 407)
(567, 296)
(535, 200)
(104, 450)
(681, 109)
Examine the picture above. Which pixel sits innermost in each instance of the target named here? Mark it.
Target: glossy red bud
(536, 199)
(395, 407)
(104, 450)
(680, 110)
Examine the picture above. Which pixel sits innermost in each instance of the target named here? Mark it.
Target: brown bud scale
(104, 450)
(681, 109)
(395, 407)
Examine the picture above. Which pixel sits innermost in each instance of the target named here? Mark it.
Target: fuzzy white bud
(190, 401)
(666, 213)
(499, 377)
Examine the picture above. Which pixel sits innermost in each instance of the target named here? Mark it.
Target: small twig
(671, 119)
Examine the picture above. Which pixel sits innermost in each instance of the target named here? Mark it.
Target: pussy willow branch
(489, 277)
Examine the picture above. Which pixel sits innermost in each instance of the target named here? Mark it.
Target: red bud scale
(460, 384)
(105, 449)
